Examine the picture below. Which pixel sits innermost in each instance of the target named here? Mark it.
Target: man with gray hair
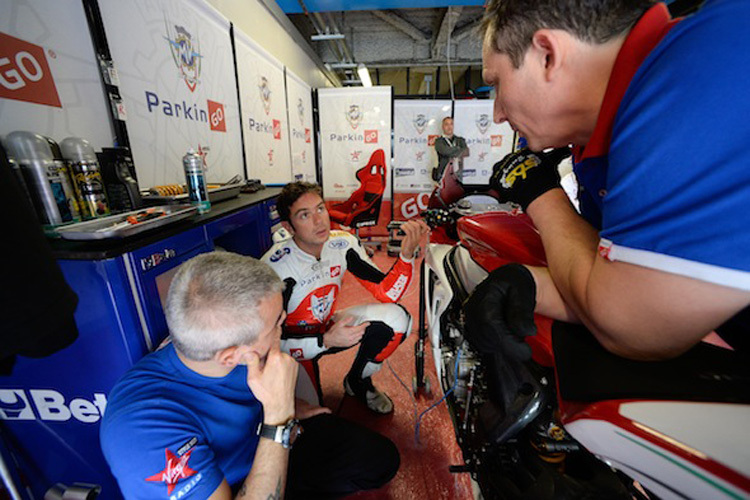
(213, 415)
(657, 258)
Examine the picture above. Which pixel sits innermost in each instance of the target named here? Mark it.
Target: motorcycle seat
(587, 372)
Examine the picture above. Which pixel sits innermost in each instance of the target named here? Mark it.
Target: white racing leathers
(312, 289)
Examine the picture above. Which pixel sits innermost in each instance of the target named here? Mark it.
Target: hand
(523, 176)
(273, 384)
(344, 333)
(500, 312)
(303, 409)
(414, 230)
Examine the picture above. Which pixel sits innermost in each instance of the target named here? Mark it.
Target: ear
(548, 50)
(288, 226)
(231, 356)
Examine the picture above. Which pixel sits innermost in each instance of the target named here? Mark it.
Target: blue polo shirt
(666, 174)
(170, 433)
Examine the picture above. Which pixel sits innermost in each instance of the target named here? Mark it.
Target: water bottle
(196, 181)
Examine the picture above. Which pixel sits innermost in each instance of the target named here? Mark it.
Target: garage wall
(259, 22)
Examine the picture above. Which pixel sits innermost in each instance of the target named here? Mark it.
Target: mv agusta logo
(483, 122)
(301, 111)
(185, 54)
(354, 116)
(265, 94)
(420, 122)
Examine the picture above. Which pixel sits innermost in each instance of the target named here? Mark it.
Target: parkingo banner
(488, 142)
(299, 108)
(354, 123)
(416, 125)
(174, 59)
(49, 75)
(264, 117)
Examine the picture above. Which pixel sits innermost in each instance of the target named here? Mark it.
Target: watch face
(294, 432)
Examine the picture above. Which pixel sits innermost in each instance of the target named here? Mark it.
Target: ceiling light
(364, 75)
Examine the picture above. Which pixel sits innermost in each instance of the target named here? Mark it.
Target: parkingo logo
(483, 122)
(265, 94)
(354, 116)
(185, 54)
(24, 73)
(301, 111)
(420, 122)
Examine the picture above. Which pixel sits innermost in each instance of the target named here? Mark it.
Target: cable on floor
(406, 388)
(434, 405)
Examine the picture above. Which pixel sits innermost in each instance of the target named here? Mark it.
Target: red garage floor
(424, 466)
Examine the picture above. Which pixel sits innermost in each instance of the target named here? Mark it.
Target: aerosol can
(87, 177)
(45, 181)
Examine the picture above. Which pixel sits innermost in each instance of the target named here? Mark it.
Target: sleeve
(386, 287)
(46, 324)
(443, 149)
(678, 181)
(464, 148)
(173, 457)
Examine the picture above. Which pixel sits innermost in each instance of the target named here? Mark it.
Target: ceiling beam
(401, 24)
(468, 29)
(446, 29)
(425, 62)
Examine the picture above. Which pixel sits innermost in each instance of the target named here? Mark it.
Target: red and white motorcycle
(575, 421)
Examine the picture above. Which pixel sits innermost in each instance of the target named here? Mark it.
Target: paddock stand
(419, 382)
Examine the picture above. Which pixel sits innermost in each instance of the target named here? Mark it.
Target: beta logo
(50, 405)
(216, 116)
(297, 353)
(496, 141)
(431, 139)
(277, 129)
(308, 136)
(335, 271)
(25, 74)
(371, 136)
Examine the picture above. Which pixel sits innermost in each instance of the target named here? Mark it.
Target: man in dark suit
(448, 147)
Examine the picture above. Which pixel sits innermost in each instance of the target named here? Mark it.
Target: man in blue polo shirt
(213, 414)
(657, 111)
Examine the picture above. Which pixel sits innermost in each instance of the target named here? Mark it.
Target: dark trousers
(335, 457)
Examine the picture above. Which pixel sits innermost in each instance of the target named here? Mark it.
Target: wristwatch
(285, 435)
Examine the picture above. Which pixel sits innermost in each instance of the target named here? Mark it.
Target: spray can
(45, 185)
(87, 178)
(196, 182)
(65, 177)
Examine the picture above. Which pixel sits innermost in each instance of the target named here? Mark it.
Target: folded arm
(633, 311)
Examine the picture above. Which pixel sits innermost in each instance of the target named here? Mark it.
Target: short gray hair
(213, 303)
(509, 25)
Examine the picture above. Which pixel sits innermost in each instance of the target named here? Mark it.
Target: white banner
(264, 117)
(174, 59)
(488, 142)
(49, 75)
(299, 107)
(416, 125)
(354, 123)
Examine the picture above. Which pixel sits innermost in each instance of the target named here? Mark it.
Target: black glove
(523, 176)
(500, 312)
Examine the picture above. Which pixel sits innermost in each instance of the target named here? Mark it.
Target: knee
(384, 460)
(398, 318)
